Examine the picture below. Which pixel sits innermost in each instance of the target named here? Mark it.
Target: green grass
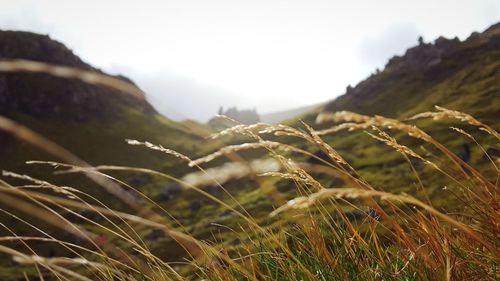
(336, 238)
(403, 218)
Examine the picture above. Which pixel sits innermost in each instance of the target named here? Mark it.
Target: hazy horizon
(191, 57)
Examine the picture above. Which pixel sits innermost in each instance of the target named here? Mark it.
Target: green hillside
(366, 231)
(458, 75)
(91, 121)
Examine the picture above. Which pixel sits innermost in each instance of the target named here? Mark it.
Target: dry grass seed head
(444, 113)
(66, 190)
(159, 148)
(365, 122)
(392, 142)
(332, 153)
(234, 148)
(90, 77)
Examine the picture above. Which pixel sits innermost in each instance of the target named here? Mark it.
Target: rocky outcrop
(246, 116)
(43, 95)
(424, 55)
(462, 75)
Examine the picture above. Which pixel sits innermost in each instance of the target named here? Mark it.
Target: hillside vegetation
(89, 120)
(459, 75)
(341, 193)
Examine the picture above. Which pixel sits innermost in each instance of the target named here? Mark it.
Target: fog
(193, 56)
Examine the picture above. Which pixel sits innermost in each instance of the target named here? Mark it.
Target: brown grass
(310, 237)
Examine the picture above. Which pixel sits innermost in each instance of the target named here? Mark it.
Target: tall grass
(307, 234)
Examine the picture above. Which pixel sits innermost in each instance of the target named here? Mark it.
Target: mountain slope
(281, 116)
(460, 75)
(88, 120)
(463, 76)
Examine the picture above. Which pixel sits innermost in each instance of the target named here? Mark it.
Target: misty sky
(193, 56)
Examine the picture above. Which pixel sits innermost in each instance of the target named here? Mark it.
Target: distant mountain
(88, 120)
(280, 116)
(250, 116)
(460, 75)
(245, 116)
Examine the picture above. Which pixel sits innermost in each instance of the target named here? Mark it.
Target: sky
(191, 57)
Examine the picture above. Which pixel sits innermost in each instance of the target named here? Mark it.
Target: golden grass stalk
(366, 122)
(478, 144)
(104, 213)
(66, 190)
(39, 201)
(90, 77)
(110, 263)
(390, 141)
(41, 142)
(75, 204)
(183, 239)
(45, 262)
(352, 193)
(69, 246)
(299, 175)
(247, 218)
(332, 153)
(43, 212)
(56, 219)
(240, 129)
(259, 128)
(158, 148)
(341, 116)
(411, 130)
(444, 113)
(234, 148)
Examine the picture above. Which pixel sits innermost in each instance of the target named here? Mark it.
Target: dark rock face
(42, 95)
(31, 46)
(473, 36)
(424, 55)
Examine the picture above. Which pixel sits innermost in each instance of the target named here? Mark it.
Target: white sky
(192, 56)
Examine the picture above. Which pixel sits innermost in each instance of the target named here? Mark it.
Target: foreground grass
(314, 218)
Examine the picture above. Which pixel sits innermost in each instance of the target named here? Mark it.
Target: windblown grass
(352, 230)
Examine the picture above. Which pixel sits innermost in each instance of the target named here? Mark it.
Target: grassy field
(362, 198)
(332, 195)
